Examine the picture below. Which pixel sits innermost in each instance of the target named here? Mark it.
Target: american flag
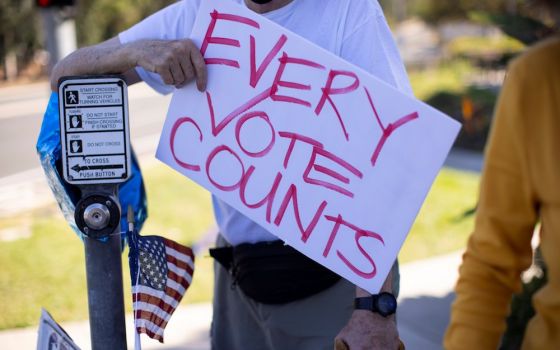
(161, 270)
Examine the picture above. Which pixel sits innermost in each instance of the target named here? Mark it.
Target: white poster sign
(317, 151)
(52, 336)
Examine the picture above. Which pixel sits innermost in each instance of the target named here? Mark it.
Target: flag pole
(130, 236)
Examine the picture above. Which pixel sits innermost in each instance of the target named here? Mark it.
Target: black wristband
(384, 304)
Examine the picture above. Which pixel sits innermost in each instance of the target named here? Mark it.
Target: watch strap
(372, 303)
(365, 303)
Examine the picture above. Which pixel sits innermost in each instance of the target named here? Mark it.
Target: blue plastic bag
(131, 192)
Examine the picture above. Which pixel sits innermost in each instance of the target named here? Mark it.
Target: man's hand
(177, 61)
(368, 331)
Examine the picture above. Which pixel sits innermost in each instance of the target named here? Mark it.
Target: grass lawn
(445, 220)
(46, 269)
(449, 76)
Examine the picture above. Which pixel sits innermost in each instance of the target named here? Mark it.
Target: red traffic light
(55, 3)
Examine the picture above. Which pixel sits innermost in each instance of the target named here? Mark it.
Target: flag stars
(150, 256)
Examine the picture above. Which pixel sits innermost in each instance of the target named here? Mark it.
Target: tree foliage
(98, 20)
(18, 32)
(21, 29)
(438, 10)
(434, 11)
(521, 27)
(525, 20)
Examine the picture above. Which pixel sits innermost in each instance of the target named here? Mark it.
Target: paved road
(21, 113)
(22, 183)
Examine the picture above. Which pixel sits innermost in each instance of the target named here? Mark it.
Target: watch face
(386, 304)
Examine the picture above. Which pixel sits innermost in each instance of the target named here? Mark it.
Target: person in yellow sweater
(520, 187)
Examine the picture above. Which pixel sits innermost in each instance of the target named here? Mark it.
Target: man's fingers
(177, 73)
(340, 344)
(166, 76)
(187, 68)
(199, 67)
(177, 62)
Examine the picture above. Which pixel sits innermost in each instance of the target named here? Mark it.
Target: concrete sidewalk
(425, 299)
(423, 314)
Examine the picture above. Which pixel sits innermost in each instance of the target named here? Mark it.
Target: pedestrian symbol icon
(75, 121)
(76, 146)
(72, 97)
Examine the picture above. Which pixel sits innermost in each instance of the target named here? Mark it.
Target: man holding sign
(281, 299)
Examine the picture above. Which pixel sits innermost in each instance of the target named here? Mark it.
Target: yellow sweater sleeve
(499, 248)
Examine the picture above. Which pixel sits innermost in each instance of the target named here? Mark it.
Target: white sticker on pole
(94, 130)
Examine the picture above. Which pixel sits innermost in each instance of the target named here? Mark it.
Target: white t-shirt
(355, 30)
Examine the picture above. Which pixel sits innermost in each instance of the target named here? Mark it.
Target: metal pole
(104, 268)
(59, 34)
(105, 293)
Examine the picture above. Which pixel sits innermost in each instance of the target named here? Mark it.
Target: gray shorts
(240, 323)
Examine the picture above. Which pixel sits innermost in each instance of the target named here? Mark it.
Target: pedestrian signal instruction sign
(94, 130)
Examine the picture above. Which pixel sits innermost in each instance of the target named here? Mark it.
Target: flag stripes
(157, 336)
(157, 318)
(161, 271)
(141, 293)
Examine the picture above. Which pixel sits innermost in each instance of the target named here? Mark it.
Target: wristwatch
(384, 304)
